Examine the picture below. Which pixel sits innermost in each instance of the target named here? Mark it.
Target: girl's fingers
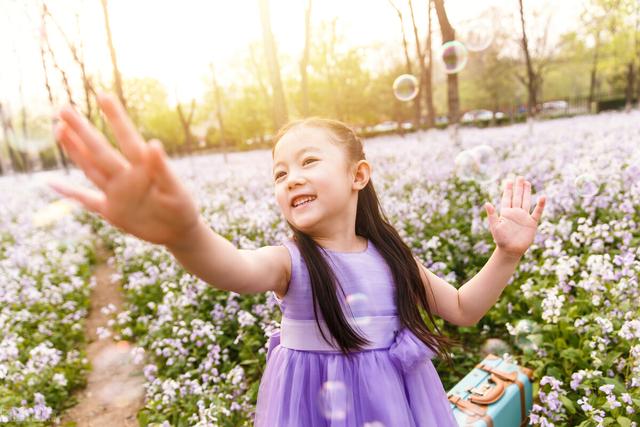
(506, 195)
(491, 214)
(104, 156)
(78, 152)
(160, 169)
(537, 212)
(130, 141)
(91, 200)
(526, 197)
(516, 202)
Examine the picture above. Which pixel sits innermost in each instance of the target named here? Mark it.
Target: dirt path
(115, 385)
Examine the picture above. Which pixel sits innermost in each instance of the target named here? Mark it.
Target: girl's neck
(359, 244)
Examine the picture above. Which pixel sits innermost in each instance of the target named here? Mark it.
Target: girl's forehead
(301, 139)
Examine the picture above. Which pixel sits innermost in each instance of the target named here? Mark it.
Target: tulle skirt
(389, 387)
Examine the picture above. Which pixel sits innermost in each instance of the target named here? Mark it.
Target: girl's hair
(372, 223)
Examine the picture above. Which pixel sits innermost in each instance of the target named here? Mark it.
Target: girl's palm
(139, 194)
(514, 230)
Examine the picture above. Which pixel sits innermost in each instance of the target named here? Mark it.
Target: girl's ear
(362, 175)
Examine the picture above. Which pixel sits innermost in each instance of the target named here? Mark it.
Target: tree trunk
(594, 70)
(531, 77)
(428, 83)
(17, 158)
(420, 55)
(117, 78)
(216, 90)
(407, 66)
(448, 34)
(630, 85)
(185, 121)
(279, 103)
(60, 156)
(304, 63)
(405, 48)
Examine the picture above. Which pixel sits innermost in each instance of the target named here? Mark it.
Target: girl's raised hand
(514, 230)
(139, 193)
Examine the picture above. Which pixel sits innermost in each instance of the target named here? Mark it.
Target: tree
(532, 79)
(117, 77)
(304, 62)
(448, 34)
(407, 65)
(428, 81)
(423, 74)
(280, 116)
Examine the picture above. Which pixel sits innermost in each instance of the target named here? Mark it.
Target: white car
(385, 126)
(477, 115)
(554, 106)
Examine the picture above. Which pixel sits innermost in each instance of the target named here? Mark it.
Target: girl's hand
(513, 231)
(140, 194)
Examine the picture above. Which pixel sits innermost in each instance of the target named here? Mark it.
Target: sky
(175, 41)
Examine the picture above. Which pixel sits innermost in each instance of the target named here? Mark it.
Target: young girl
(353, 349)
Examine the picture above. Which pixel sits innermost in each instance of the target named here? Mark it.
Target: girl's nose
(295, 178)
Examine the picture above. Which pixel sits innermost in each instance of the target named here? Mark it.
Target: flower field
(44, 297)
(571, 311)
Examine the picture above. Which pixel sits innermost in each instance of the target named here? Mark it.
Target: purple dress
(307, 383)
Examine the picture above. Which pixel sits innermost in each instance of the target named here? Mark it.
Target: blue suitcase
(495, 393)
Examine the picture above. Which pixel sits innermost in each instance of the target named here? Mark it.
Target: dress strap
(305, 334)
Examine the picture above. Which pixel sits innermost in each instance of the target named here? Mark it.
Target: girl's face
(307, 165)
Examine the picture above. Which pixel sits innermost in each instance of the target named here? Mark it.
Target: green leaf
(617, 385)
(571, 354)
(624, 421)
(568, 404)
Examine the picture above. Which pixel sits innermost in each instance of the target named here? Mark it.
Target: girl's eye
(308, 160)
(279, 175)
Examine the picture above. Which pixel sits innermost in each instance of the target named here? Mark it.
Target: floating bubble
(454, 56)
(477, 164)
(52, 212)
(359, 303)
(529, 343)
(495, 346)
(525, 326)
(586, 185)
(333, 400)
(478, 36)
(31, 145)
(405, 87)
(527, 337)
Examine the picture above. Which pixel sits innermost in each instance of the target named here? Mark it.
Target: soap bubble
(477, 36)
(333, 400)
(41, 136)
(359, 303)
(526, 326)
(527, 337)
(454, 56)
(477, 164)
(529, 343)
(53, 212)
(406, 87)
(495, 346)
(31, 145)
(586, 185)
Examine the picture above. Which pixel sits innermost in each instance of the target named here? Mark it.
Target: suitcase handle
(491, 395)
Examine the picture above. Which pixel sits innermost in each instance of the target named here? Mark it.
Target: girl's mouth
(304, 203)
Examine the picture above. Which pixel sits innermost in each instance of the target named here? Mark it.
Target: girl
(353, 349)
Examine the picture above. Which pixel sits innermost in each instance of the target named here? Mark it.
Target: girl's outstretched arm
(513, 232)
(140, 194)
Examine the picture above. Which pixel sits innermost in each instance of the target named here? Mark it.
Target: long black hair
(371, 223)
